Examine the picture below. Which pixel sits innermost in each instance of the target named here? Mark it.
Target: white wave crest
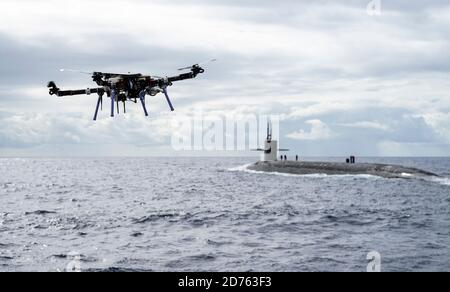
(441, 180)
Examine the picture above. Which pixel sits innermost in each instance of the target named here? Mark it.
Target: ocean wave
(7, 185)
(201, 257)
(351, 219)
(209, 218)
(40, 212)
(83, 258)
(6, 245)
(116, 270)
(161, 216)
(217, 243)
(240, 168)
(441, 180)
(445, 181)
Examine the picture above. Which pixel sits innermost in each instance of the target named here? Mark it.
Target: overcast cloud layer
(343, 82)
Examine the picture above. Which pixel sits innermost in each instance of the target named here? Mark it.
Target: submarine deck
(335, 168)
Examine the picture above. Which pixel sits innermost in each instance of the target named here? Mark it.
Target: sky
(341, 80)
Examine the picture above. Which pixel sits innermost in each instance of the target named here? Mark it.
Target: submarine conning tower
(270, 150)
(270, 146)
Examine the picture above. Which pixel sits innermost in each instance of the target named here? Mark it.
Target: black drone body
(127, 87)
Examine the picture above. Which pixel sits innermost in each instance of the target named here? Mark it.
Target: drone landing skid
(99, 104)
(168, 99)
(142, 98)
(113, 97)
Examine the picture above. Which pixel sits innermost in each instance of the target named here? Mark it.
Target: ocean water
(210, 214)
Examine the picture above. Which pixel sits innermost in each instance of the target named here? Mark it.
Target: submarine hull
(334, 168)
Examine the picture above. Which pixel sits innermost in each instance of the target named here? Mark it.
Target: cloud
(368, 125)
(31, 130)
(375, 78)
(319, 131)
(440, 122)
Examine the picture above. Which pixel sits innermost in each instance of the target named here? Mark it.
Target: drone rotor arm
(195, 70)
(87, 91)
(54, 90)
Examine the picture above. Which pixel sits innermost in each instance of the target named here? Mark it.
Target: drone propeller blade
(206, 62)
(198, 64)
(75, 71)
(185, 68)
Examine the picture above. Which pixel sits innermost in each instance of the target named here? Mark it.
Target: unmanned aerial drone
(127, 87)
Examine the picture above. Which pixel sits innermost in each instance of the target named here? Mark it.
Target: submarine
(270, 163)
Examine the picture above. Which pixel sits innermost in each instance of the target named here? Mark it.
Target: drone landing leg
(117, 105)
(142, 98)
(168, 99)
(124, 108)
(99, 101)
(113, 97)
